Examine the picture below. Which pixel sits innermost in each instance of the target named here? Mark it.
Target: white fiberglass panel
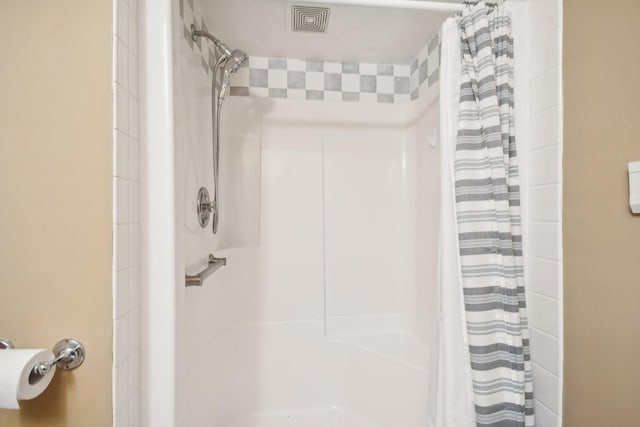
(425, 161)
(291, 264)
(271, 370)
(240, 156)
(291, 330)
(332, 416)
(368, 255)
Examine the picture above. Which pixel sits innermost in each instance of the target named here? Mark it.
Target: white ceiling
(355, 33)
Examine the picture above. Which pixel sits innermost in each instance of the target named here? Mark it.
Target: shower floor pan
(290, 374)
(314, 417)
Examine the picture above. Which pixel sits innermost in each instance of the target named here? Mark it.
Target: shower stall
(327, 311)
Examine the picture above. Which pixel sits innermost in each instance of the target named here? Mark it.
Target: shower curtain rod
(397, 4)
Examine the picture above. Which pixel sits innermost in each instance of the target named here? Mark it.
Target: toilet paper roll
(15, 368)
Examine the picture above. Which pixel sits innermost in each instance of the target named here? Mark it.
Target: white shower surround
(329, 302)
(171, 314)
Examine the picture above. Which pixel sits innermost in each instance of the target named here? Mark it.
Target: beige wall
(55, 198)
(601, 236)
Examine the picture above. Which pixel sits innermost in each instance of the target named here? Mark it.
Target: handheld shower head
(231, 66)
(232, 59)
(236, 60)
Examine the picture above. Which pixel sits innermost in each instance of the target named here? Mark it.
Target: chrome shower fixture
(230, 61)
(236, 58)
(231, 66)
(195, 33)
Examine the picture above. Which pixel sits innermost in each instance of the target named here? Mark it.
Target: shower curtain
(484, 184)
(455, 406)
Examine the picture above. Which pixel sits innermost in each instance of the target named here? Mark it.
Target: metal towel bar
(213, 265)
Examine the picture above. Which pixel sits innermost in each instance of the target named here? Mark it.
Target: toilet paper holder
(69, 353)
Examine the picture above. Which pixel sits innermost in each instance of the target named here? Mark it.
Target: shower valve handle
(206, 207)
(209, 207)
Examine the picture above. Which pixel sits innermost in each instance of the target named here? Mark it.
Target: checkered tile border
(425, 68)
(329, 81)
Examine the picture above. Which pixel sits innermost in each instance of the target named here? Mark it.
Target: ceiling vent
(309, 19)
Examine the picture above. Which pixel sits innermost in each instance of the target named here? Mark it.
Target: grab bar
(213, 265)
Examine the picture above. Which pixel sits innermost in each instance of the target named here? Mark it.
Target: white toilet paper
(15, 367)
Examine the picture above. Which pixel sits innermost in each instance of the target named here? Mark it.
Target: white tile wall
(126, 218)
(544, 240)
(548, 388)
(544, 257)
(546, 128)
(545, 277)
(545, 166)
(545, 203)
(547, 348)
(546, 417)
(545, 314)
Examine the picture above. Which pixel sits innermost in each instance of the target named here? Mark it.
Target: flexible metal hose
(216, 107)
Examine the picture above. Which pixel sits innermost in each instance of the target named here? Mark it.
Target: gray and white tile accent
(321, 81)
(329, 81)
(190, 14)
(425, 68)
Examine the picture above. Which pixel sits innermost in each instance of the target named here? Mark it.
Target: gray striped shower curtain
(489, 226)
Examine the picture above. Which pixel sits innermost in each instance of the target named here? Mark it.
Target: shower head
(235, 61)
(231, 66)
(231, 60)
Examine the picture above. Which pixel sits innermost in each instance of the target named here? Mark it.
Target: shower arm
(195, 33)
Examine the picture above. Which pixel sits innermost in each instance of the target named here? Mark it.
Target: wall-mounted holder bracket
(6, 344)
(69, 353)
